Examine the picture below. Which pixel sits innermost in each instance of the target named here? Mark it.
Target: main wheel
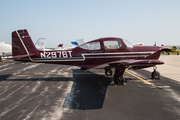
(116, 81)
(155, 75)
(120, 81)
(108, 72)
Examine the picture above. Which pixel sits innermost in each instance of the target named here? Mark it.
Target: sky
(63, 21)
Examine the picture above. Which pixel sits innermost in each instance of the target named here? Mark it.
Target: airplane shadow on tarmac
(88, 90)
(4, 77)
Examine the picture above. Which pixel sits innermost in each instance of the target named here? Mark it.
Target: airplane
(175, 49)
(74, 43)
(40, 44)
(5, 50)
(171, 49)
(137, 44)
(104, 53)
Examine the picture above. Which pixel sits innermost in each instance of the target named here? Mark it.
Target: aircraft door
(113, 49)
(94, 52)
(113, 46)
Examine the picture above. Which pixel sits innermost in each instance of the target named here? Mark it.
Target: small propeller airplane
(5, 50)
(104, 53)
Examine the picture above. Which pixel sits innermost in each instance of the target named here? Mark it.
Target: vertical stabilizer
(22, 43)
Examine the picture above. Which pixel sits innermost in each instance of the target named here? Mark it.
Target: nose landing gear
(155, 74)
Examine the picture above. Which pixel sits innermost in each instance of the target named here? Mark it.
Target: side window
(113, 44)
(91, 46)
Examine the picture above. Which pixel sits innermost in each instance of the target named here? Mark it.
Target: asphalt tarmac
(31, 91)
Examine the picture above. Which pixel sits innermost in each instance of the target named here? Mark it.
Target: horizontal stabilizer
(20, 56)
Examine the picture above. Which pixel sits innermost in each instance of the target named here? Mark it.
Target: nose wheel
(155, 74)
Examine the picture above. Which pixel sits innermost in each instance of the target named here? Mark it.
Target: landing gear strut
(118, 75)
(155, 74)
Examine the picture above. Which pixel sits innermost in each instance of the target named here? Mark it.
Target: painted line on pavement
(151, 84)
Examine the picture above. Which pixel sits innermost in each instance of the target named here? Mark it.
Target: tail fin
(22, 45)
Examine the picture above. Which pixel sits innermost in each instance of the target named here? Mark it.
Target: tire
(120, 81)
(116, 81)
(108, 72)
(155, 75)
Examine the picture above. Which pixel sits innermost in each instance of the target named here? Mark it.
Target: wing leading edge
(135, 64)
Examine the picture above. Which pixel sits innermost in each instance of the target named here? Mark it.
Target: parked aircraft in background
(100, 53)
(78, 42)
(5, 50)
(137, 44)
(40, 44)
(175, 49)
(171, 49)
(74, 43)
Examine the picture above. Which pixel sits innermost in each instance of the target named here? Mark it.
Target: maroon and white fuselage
(104, 52)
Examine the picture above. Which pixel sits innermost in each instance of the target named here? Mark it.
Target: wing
(135, 64)
(138, 64)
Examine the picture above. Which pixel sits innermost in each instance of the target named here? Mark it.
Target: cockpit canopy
(108, 44)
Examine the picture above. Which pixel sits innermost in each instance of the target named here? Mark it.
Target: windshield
(128, 44)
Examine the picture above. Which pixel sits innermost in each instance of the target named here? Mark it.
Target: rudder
(22, 43)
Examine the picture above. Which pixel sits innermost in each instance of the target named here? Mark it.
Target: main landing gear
(108, 72)
(119, 71)
(120, 81)
(118, 75)
(155, 74)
